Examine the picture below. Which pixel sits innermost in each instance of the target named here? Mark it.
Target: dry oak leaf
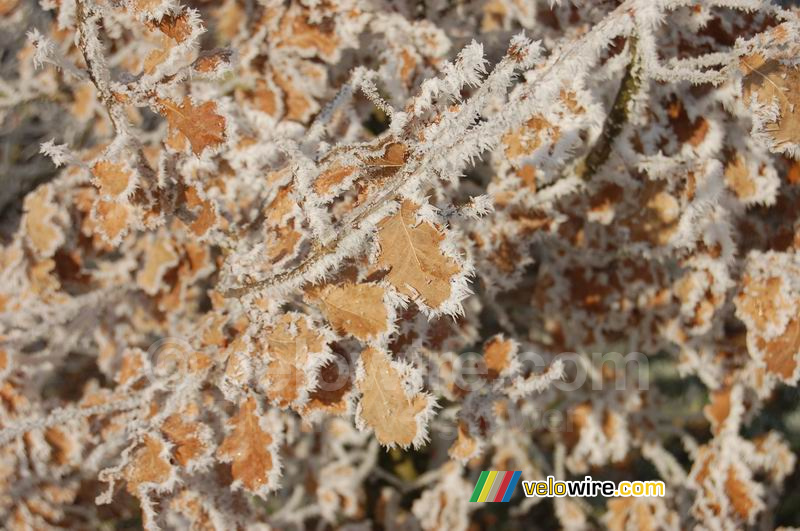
(309, 39)
(764, 302)
(739, 490)
(147, 466)
(332, 177)
(782, 354)
(247, 447)
(201, 124)
(498, 354)
(203, 210)
(160, 257)
(297, 351)
(465, 446)
(185, 436)
(771, 81)
(413, 255)
(44, 235)
(111, 178)
(386, 407)
(355, 309)
(112, 219)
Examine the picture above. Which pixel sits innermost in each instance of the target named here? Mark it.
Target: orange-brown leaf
(356, 309)
(385, 406)
(413, 255)
(147, 465)
(201, 124)
(112, 178)
(247, 448)
(291, 344)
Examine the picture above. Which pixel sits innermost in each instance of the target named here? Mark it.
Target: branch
(617, 117)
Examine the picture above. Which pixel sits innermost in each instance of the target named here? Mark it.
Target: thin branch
(617, 116)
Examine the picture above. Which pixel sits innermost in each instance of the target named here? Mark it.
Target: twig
(617, 117)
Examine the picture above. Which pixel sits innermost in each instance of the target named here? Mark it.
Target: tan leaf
(203, 210)
(44, 235)
(771, 81)
(498, 355)
(719, 408)
(113, 219)
(332, 177)
(111, 178)
(7, 6)
(465, 446)
(319, 39)
(738, 178)
(185, 437)
(247, 449)
(385, 407)
(356, 309)
(762, 301)
(292, 344)
(412, 253)
(147, 465)
(782, 354)
(201, 125)
(739, 495)
(177, 27)
(210, 61)
(160, 256)
(527, 139)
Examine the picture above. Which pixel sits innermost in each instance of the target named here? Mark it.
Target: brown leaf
(414, 257)
(291, 344)
(771, 81)
(111, 178)
(43, 233)
(465, 446)
(184, 435)
(332, 177)
(113, 219)
(385, 407)
(738, 178)
(782, 354)
(738, 493)
(201, 125)
(247, 448)
(356, 309)
(160, 256)
(147, 465)
(497, 353)
(203, 209)
(719, 408)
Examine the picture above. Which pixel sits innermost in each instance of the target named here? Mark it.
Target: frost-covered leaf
(772, 82)
(391, 404)
(296, 352)
(412, 253)
(112, 178)
(148, 467)
(200, 124)
(250, 449)
(43, 233)
(356, 309)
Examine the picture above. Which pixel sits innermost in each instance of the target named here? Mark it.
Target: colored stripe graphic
(498, 480)
(477, 492)
(495, 486)
(487, 486)
(503, 487)
(512, 485)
